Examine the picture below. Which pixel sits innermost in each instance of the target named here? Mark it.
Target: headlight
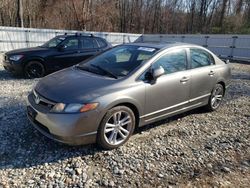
(59, 107)
(73, 108)
(16, 57)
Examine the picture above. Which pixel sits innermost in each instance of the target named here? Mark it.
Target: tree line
(134, 16)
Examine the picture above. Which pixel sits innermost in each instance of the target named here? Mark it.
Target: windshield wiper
(84, 68)
(104, 70)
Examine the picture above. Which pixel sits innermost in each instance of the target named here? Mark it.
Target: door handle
(184, 80)
(211, 73)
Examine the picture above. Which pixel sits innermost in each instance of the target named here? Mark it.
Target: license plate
(31, 113)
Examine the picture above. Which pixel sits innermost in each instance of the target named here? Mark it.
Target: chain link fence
(236, 47)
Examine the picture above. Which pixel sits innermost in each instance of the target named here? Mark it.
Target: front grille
(41, 101)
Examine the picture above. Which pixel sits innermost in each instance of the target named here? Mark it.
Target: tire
(34, 69)
(112, 133)
(216, 98)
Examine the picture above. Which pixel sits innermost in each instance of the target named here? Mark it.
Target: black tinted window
(88, 43)
(101, 43)
(173, 61)
(53, 42)
(200, 58)
(71, 43)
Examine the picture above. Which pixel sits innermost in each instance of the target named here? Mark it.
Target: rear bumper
(72, 129)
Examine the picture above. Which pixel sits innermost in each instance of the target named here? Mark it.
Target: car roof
(161, 45)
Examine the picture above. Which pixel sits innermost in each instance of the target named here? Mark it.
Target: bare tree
(149, 16)
(20, 13)
(223, 10)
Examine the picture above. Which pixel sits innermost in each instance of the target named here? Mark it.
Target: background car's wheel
(116, 127)
(216, 97)
(34, 69)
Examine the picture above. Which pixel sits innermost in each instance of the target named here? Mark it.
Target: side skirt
(193, 103)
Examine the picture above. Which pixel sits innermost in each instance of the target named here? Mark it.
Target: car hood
(26, 50)
(74, 86)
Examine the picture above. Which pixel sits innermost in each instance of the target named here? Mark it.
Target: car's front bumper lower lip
(13, 67)
(72, 129)
(87, 138)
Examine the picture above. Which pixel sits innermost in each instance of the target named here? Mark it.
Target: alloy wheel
(118, 128)
(217, 96)
(34, 70)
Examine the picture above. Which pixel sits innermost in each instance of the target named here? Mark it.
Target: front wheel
(216, 97)
(116, 127)
(34, 69)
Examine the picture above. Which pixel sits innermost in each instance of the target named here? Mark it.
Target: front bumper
(72, 129)
(13, 67)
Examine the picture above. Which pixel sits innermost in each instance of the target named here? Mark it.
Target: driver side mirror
(62, 47)
(158, 72)
(153, 74)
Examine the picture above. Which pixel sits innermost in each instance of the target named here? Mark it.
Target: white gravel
(192, 149)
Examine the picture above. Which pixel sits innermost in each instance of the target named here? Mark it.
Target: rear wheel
(34, 69)
(216, 97)
(116, 127)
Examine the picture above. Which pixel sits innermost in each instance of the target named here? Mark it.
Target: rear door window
(88, 43)
(101, 43)
(200, 58)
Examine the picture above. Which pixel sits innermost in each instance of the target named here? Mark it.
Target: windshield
(53, 42)
(119, 61)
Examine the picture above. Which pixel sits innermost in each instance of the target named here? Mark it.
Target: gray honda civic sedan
(106, 97)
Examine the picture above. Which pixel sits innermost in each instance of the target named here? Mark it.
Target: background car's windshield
(53, 42)
(121, 60)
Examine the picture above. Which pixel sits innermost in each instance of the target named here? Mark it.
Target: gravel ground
(192, 149)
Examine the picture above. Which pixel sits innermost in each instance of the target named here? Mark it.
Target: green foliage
(216, 30)
(245, 30)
